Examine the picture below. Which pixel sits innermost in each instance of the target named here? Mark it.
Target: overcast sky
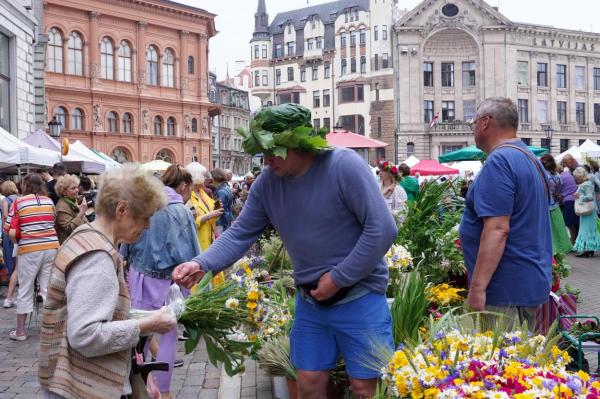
(235, 20)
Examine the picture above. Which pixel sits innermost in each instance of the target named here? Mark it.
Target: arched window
(191, 65)
(124, 62)
(77, 119)
(127, 123)
(158, 126)
(120, 155)
(170, 126)
(194, 125)
(152, 66)
(168, 66)
(55, 51)
(410, 149)
(61, 116)
(112, 122)
(75, 54)
(107, 63)
(165, 155)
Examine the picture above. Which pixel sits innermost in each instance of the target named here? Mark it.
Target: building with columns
(452, 54)
(333, 58)
(22, 42)
(130, 77)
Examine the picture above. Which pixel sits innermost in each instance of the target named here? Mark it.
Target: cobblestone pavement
(198, 379)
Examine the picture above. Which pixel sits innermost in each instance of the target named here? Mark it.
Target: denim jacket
(170, 240)
(224, 194)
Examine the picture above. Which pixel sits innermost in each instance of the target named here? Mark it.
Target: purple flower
(502, 353)
(489, 384)
(574, 383)
(443, 355)
(440, 334)
(548, 384)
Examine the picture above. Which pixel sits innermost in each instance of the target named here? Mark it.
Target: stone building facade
(21, 67)
(227, 143)
(333, 58)
(451, 54)
(130, 77)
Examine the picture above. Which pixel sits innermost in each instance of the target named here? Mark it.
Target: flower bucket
(280, 388)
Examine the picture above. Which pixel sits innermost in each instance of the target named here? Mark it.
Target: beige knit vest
(62, 369)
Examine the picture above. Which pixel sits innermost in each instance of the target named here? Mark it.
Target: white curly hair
(197, 171)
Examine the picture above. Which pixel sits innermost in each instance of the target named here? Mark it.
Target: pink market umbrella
(347, 139)
(428, 167)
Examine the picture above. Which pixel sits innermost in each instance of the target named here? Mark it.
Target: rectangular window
(293, 97)
(363, 64)
(561, 75)
(580, 113)
(353, 123)
(315, 72)
(278, 76)
(303, 73)
(265, 78)
(319, 41)
(447, 111)
(542, 108)
(447, 74)
(350, 94)
(597, 114)
(468, 73)
(564, 145)
(343, 40)
(352, 65)
(362, 37)
(5, 83)
(278, 50)
(384, 61)
(545, 143)
(326, 98)
(379, 126)
(384, 32)
(427, 111)
(522, 73)
(376, 91)
(542, 74)
(344, 68)
(257, 78)
(316, 99)
(523, 106)
(526, 140)
(580, 78)
(316, 124)
(469, 110)
(376, 62)
(256, 49)
(264, 51)
(327, 123)
(561, 112)
(596, 78)
(291, 49)
(309, 44)
(352, 39)
(327, 70)
(428, 74)
(375, 33)
(290, 74)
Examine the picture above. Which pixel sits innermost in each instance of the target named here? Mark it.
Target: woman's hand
(160, 322)
(576, 195)
(82, 207)
(215, 214)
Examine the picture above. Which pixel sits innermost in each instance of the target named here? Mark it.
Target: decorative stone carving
(145, 117)
(187, 123)
(141, 81)
(94, 74)
(97, 117)
(205, 125)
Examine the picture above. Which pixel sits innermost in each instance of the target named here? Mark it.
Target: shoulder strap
(537, 166)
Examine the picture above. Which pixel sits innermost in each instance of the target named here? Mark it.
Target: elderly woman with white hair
(588, 238)
(69, 214)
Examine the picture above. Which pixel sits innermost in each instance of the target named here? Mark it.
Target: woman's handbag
(15, 221)
(584, 208)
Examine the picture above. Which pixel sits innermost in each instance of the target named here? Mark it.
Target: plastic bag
(175, 302)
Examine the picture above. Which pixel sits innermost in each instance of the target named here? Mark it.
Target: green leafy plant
(274, 357)
(276, 129)
(409, 309)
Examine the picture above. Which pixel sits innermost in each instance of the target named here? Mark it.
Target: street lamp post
(54, 128)
(549, 133)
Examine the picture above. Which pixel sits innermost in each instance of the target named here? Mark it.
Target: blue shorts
(359, 330)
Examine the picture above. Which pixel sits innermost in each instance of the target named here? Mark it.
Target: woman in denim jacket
(170, 240)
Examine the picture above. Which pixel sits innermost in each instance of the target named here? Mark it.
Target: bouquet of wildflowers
(453, 364)
(399, 261)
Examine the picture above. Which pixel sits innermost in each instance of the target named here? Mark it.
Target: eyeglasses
(473, 122)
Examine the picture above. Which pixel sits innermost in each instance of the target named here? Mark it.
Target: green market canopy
(472, 153)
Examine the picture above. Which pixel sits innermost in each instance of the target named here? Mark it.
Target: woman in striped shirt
(33, 216)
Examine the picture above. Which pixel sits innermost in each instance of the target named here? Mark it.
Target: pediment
(471, 14)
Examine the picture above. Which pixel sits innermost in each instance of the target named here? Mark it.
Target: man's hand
(326, 288)
(187, 274)
(476, 299)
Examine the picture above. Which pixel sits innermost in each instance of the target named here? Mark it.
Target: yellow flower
(524, 396)
(253, 295)
(583, 376)
(431, 393)
(251, 305)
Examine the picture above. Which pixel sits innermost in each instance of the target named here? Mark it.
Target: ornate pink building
(130, 77)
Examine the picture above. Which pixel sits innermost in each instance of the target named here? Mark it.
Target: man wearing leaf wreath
(334, 223)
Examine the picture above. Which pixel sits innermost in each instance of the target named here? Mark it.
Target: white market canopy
(15, 153)
(468, 166)
(158, 165)
(82, 149)
(412, 161)
(75, 160)
(587, 149)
